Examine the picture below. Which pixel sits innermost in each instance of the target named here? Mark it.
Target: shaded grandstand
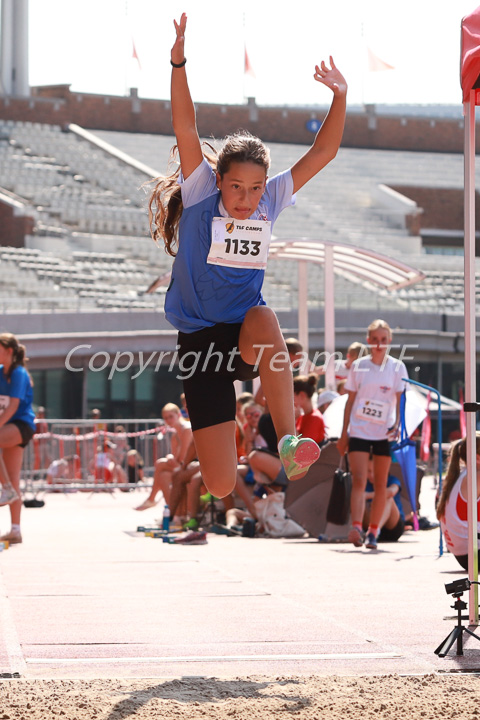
(87, 258)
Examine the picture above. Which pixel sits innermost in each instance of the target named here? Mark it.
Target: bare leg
(13, 458)
(217, 455)
(245, 494)
(180, 482)
(358, 466)
(162, 478)
(261, 341)
(261, 462)
(381, 466)
(193, 495)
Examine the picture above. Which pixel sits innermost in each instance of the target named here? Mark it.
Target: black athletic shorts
(209, 362)
(392, 534)
(375, 447)
(26, 431)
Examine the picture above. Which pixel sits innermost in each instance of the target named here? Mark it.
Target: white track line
(8, 634)
(215, 658)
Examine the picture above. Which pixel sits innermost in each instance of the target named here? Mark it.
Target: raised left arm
(328, 139)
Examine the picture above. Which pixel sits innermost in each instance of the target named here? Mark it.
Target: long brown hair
(165, 206)
(19, 354)
(459, 452)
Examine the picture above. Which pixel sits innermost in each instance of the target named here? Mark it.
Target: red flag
(375, 64)
(426, 434)
(248, 68)
(134, 55)
(463, 421)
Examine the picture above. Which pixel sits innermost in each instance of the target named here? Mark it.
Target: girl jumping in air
(215, 215)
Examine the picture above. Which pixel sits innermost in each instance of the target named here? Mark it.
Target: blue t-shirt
(19, 386)
(392, 480)
(200, 294)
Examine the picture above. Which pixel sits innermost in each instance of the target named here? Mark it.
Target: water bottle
(166, 519)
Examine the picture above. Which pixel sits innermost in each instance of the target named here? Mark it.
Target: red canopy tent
(470, 81)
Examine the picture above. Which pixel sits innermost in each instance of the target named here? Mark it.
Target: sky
(88, 45)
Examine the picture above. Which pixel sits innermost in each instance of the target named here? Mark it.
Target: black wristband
(179, 65)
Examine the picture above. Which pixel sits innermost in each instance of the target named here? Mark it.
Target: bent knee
(220, 488)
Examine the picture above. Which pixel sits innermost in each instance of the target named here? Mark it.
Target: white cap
(326, 397)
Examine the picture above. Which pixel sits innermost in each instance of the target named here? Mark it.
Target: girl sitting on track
(219, 212)
(452, 506)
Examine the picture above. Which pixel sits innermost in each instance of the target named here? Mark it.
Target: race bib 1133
(240, 243)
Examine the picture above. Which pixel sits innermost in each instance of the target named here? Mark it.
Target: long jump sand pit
(427, 697)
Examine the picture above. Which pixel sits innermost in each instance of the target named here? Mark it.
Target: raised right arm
(183, 110)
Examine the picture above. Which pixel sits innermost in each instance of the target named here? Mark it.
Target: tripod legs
(445, 646)
(456, 634)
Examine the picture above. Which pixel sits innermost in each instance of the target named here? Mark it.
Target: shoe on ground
(297, 455)
(8, 495)
(426, 524)
(192, 524)
(191, 537)
(14, 537)
(356, 537)
(371, 542)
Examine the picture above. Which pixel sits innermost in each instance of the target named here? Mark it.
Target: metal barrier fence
(66, 455)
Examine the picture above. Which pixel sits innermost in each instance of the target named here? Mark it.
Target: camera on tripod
(457, 587)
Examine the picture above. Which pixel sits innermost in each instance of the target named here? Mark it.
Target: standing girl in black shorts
(372, 415)
(17, 426)
(219, 211)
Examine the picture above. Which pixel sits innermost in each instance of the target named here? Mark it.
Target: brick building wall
(13, 226)
(58, 105)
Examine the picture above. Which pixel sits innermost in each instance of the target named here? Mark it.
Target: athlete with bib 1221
(215, 215)
(372, 416)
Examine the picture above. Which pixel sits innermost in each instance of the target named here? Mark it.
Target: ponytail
(165, 206)
(458, 453)
(19, 353)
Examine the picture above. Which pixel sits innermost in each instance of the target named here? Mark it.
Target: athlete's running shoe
(371, 541)
(297, 455)
(356, 536)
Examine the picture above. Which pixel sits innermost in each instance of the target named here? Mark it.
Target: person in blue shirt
(392, 522)
(17, 426)
(215, 214)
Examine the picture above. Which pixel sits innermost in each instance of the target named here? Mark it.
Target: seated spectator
(354, 351)
(452, 506)
(392, 523)
(325, 399)
(165, 467)
(121, 445)
(242, 400)
(62, 469)
(135, 465)
(103, 466)
(310, 422)
(252, 413)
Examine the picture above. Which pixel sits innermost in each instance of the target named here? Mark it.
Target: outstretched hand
(178, 49)
(331, 77)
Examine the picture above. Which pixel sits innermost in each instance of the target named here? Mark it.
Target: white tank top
(455, 529)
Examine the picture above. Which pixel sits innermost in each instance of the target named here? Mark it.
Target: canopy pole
(303, 304)
(470, 350)
(329, 317)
